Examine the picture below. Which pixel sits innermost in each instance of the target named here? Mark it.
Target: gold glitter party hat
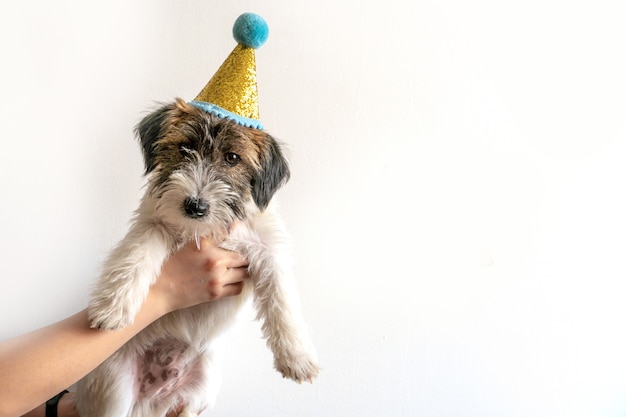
(232, 91)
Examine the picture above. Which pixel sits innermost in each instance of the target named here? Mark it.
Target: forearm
(37, 366)
(46, 361)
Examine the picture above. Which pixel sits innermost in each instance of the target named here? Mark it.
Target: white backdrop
(457, 194)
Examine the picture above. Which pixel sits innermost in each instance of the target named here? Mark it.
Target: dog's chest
(165, 367)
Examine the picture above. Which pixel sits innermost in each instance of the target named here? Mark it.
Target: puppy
(204, 173)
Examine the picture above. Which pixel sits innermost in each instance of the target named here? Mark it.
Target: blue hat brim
(225, 114)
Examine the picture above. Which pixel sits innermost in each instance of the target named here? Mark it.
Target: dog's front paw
(299, 368)
(109, 318)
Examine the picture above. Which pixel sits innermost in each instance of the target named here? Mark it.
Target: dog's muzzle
(195, 208)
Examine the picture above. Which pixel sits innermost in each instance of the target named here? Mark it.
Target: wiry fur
(189, 158)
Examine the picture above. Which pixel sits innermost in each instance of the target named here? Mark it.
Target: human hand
(195, 275)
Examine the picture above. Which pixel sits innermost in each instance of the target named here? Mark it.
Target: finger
(206, 244)
(237, 262)
(229, 290)
(230, 259)
(232, 276)
(238, 274)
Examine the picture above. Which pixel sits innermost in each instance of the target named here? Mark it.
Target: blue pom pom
(250, 30)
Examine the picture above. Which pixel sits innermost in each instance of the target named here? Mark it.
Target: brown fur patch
(178, 135)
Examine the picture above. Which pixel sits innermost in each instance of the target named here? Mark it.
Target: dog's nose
(195, 208)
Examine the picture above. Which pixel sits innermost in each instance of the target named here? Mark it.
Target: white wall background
(457, 199)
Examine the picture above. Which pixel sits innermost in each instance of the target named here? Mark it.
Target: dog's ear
(149, 130)
(274, 172)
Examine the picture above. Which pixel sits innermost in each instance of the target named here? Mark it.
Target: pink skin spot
(164, 367)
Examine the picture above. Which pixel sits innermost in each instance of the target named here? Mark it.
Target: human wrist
(156, 305)
(66, 406)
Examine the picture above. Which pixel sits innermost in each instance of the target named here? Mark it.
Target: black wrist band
(52, 404)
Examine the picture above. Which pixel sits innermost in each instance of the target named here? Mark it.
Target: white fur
(158, 230)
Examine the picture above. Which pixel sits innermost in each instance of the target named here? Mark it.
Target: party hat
(232, 91)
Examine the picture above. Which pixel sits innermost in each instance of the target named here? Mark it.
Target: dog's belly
(165, 367)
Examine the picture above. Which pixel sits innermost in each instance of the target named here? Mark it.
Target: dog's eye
(231, 158)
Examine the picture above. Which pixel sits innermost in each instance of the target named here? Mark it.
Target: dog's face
(205, 170)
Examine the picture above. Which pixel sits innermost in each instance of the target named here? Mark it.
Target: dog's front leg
(126, 276)
(264, 242)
